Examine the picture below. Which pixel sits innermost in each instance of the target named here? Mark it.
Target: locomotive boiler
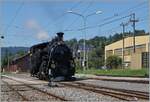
(52, 59)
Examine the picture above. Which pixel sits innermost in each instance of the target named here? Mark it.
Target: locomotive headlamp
(31, 54)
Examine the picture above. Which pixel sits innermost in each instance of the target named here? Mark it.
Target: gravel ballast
(69, 93)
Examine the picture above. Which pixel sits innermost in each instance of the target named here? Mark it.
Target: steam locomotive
(52, 59)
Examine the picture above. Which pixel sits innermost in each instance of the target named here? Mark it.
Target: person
(51, 83)
(50, 79)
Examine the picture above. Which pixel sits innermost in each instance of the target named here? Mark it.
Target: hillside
(12, 50)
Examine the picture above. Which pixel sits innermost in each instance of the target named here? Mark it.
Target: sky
(28, 22)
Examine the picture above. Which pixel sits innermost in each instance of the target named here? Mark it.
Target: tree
(8, 57)
(4, 63)
(113, 62)
(96, 57)
(5, 59)
(97, 49)
(21, 53)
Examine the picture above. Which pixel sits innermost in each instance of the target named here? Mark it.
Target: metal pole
(86, 51)
(1, 45)
(85, 58)
(123, 25)
(134, 21)
(1, 54)
(134, 32)
(8, 60)
(84, 45)
(123, 47)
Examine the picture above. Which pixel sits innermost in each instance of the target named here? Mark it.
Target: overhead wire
(111, 17)
(18, 10)
(123, 12)
(63, 14)
(85, 10)
(100, 25)
(72, 8)
(14, 18)
(109, 22)
(134, 7)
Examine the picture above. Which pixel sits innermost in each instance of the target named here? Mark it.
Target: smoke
(34, 26)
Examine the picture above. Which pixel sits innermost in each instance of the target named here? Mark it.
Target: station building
(20, 64)
(137, 60)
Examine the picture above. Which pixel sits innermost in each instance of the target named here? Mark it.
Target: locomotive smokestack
(60, 36)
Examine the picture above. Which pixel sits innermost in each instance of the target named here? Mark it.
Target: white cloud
(42, 35)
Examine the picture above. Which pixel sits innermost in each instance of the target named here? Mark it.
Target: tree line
(96, 55)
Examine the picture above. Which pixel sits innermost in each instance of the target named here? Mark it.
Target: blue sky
(25, 23)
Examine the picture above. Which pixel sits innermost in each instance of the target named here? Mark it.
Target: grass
(144, 72)
(117, 72)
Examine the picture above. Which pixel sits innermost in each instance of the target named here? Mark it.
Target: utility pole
(84, 45)
(1, 45)
(133, 20)
(7, 53)
(123, 26)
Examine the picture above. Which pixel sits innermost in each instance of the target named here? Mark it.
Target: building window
(128, 50)
(118, 52)
(145, 60)
(140, 48)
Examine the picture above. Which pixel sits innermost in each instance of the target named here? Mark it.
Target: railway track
(16, 91)
(122, 94)
(33, 88)
(127, 95)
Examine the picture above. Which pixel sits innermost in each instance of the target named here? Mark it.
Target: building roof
(21, 57)
(139, 40)
(39, 46)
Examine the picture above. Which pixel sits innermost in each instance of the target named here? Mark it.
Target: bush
(113, 62)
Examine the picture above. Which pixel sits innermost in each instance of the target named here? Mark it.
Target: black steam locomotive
(52, 59)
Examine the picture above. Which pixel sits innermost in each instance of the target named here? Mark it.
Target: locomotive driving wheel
(42, 71)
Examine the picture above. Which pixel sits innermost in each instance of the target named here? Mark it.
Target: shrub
(113, 62)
